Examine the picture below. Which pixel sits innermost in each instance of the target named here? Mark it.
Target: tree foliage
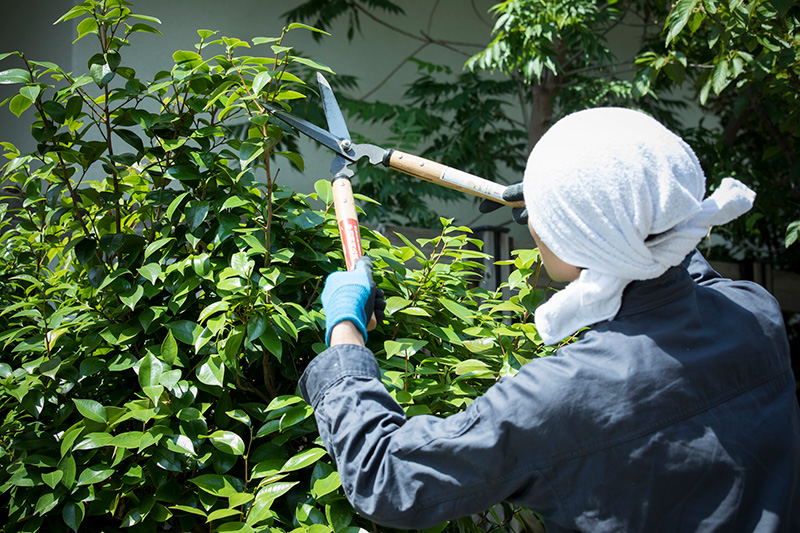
(738, 60)
(743, 61)
(159, 298)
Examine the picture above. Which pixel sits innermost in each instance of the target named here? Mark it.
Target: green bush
(159, 298)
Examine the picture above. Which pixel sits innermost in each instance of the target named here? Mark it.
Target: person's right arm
(422, 471)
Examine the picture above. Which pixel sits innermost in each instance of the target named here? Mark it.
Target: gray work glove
(513, 193)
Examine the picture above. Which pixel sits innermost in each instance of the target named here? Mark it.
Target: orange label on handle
(351, 241)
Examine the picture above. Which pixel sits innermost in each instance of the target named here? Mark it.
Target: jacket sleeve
(417, 472)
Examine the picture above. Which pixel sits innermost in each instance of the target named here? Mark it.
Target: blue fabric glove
(349, 296)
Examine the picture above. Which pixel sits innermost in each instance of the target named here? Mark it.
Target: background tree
(740, 59)
(743, 61)
(553, 59)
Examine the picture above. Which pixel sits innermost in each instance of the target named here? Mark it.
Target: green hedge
(159, 298)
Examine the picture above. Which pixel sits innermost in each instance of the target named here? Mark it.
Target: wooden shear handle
(449, 177)
(347, 219)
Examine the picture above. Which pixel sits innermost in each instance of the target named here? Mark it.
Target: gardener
(674, 411)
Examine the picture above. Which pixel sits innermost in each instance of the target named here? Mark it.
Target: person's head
(556, 268)
(601, 181)
(613, 196)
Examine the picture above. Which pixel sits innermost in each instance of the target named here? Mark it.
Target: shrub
(159, 296)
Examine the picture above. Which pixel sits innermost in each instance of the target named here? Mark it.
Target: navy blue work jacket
(678, 415)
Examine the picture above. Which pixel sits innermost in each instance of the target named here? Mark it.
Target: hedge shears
(337, 138)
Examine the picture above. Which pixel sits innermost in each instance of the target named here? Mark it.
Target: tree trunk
(543, 96)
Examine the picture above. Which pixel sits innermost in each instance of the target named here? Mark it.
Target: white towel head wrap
(614, 192)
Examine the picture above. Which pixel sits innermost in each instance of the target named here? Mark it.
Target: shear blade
(312, 130)
(336, 123)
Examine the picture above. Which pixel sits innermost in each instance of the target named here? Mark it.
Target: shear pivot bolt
(345, 144)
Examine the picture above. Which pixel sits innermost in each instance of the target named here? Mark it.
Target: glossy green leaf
(260, 81)
(242, 264)
(212, 372)
(220, 514)
(31, 92)
(313, 64)
(298, 25)
(196, 213)
(173, 206)
(69, 470)
(69, 437)
(324, 191)
(720, 76)
(259, 510)
(150, 272)
(208, 333)
(170, 379)
(101, 69)
(339, 515)
(249, 151)
(268, 428)
(303, 459)
(792, 233)
(86, 27)
(155, 245)
(94, 474)
(228, 442)
(92, 410)
(14, 75)
(294, 416)
(242, 498)
(169, 349)
(185, 331)
(19, 104)
(404, 347)
(132, 298)
(272, 342)
(150, 370)
(240, 416)
(73, 514)
(457, 309)
(326, 484)
(181, 444)
(190, 510)
(283, 401)
(84, 249)
(218, 485)
(233, 343)
(472, 366)
(128, 440)
(93, 440)
(52, 479)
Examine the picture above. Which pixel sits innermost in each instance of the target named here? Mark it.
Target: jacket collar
(640, 296)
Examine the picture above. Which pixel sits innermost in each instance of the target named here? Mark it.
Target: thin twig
(433, 12)
(479, 15)
(394, 71)
(424, 37)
